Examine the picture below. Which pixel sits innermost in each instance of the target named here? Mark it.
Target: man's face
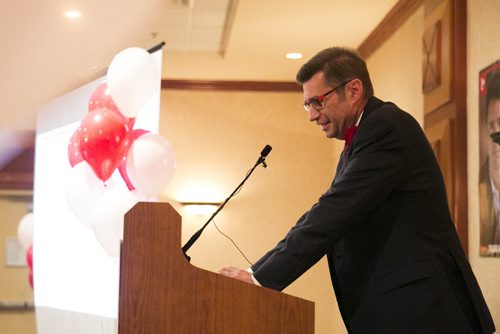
(494, 148)
(337, 112)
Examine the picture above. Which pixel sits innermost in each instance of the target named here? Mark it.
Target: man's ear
(354, 90)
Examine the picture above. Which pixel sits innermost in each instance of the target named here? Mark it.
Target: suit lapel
(340, 165)
(372, 104)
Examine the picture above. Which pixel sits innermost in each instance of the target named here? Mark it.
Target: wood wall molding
(16, 180)
(396, 17)
(459, 50)
(261, 86)
(17, 174)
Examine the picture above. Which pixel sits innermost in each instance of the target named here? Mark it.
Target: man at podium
(394, 256)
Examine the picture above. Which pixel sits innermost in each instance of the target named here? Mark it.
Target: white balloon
(150, 163)
(133, 78)
(108, 218)
(83, 189)
(25, 230)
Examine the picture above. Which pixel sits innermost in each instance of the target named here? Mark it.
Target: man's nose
(313, 114)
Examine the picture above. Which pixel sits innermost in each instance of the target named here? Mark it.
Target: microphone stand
(194, 237)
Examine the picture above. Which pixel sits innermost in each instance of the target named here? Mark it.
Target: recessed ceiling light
(72, 14)
(294, 55)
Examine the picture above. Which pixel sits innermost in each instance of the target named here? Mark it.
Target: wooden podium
(161, 292)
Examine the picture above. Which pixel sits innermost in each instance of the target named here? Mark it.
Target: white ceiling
(45, 54)
(192, 25)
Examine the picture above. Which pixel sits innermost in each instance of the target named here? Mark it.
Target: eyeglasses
(316, 102)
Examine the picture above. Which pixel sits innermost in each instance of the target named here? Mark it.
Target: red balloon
(104, 141)
(74, 155)
(101, 98)
(29, 256)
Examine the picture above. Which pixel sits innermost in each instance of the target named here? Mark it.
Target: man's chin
(329, 133)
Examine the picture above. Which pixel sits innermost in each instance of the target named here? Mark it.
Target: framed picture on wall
(489, 155)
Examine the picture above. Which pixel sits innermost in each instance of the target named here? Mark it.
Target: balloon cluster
(106, 141)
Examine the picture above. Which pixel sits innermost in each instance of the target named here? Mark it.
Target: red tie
(348, 136)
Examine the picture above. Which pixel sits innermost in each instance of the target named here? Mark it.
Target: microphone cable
(234, 243)
(227, 236)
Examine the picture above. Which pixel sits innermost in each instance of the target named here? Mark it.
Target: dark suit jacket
(395, 259)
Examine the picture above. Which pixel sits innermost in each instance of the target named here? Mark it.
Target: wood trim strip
(17, 172)
(459, 70)
(396, 17)
(16, 181)
(262, 86)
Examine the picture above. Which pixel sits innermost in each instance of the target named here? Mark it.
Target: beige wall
(14, 286)
(218, 137)
(395, 68)
(483, 48)
(396, 73)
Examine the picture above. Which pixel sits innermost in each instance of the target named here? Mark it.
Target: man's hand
(236, 273)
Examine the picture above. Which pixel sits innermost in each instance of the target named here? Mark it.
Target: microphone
(265, 151)
(263, 154)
